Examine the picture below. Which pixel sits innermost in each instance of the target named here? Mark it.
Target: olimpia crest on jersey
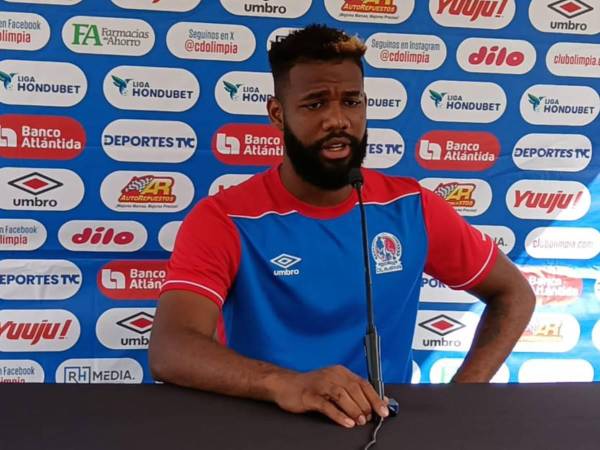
(387, 252)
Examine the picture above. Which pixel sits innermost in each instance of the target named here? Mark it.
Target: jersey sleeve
(206, 254)
(458, 255)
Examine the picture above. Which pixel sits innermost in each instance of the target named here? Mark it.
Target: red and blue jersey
(289, 276)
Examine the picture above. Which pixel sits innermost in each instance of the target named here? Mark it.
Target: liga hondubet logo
(493, 14)
(39, 279)
(102, 235)
(163, 141)
(38, 330)
(244, 92)
(248, 144)
(159, 192)
(386, 98)
(469, 197)
(405, 51)
(548, 199)
(385, 148)
(457, 150)
(373, 11)
(267, 8)
(132, 280)
(574, 59)
(553, 152)
(23, 31)
(565, 16)
(40, 137)
(211, 41)
(158, 5)
(151, 88)
(108, 36)
(486, 55)
(21, 234)
(33, 189)
(41, 83)
(463, 101)
(547, 104)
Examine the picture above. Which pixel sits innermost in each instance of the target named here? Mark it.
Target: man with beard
(279, 258)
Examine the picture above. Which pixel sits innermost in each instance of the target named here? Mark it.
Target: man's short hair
(313, 43)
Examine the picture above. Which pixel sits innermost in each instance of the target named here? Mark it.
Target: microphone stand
(372, 340)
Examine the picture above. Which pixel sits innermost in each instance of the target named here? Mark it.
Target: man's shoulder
(382, 188)
(251, 197)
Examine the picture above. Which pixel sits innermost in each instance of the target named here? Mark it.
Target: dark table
(162, 417)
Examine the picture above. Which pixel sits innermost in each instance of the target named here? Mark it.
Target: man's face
(324, 121)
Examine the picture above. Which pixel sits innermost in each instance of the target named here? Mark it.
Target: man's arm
(182, 351)
(510, 302)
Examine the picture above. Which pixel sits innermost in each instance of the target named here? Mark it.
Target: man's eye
(313, 105)
(353, 102)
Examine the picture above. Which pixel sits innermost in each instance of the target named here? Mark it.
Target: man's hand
(183, 352)
(334, 391)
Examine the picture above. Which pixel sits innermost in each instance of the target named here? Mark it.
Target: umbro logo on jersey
(286, 261)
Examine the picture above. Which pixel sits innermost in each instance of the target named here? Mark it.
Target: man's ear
(275, 110)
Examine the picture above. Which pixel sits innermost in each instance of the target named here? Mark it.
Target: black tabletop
(163, 417)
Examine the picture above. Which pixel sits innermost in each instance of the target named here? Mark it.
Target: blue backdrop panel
(116, 117)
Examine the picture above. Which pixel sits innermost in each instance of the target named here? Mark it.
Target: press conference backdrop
(117, 116)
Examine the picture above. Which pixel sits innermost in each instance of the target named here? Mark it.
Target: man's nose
(335, 118)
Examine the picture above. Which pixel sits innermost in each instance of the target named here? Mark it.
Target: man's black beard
(329, 175)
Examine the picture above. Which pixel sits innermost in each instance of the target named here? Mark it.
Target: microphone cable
(374, 435)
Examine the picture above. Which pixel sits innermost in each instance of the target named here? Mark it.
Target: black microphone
(372, 340)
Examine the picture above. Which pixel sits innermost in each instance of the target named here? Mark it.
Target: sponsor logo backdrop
(493, 105)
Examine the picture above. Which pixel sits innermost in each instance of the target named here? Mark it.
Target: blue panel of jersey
(298, 300)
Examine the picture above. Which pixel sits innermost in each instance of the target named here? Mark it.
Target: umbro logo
(442, 325)
(285, 261)
(570, 8)
(35, 183)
